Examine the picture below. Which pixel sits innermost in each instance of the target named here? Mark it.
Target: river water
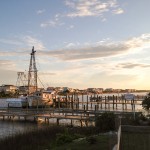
(9, 128)
(119, 106)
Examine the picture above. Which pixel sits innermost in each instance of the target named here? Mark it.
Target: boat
(129, 96)
(41, 99)
(19, 102)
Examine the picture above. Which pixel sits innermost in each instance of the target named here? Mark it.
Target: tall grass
(40, 139)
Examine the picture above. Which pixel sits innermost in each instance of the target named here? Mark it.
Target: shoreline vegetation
(101, 136)
(64, 137)
(60, 138)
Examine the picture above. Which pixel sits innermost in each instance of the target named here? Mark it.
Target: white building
(8, 89)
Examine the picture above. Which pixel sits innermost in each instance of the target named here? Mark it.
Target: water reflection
(9, 128)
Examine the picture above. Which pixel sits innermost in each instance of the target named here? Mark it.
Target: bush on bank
(105, 122)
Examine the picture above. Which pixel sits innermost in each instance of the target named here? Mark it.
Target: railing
(133, 138)
(119, 138)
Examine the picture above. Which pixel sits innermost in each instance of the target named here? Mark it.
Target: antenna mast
(32, 74)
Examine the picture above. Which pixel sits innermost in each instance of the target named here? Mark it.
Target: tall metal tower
(22, 83)
(21, 80)
(32, 74)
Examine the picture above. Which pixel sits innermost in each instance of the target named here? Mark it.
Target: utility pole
(32, 74)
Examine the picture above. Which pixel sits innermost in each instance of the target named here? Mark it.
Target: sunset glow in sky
(78, 43)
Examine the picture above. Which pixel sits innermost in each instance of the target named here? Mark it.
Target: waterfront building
(130, 90)
(109, 90)
(8, 88)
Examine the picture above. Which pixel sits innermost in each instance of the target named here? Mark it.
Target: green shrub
(146, 102)
(63, 138)
(66, 137)
(91, 140)
(106, 122)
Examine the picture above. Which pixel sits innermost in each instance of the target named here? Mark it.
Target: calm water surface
(9, 128)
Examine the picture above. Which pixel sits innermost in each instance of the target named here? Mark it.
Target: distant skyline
(78, 43)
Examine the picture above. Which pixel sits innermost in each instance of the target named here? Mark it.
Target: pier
(97, 102)
(83, 108)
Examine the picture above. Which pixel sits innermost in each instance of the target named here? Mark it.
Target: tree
(146, 102)
(106, 121)
(2, 94)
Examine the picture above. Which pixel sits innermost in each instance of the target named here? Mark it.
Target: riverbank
(73, 138)
(59, 138)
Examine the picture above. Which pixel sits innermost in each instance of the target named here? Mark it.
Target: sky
(79, 43)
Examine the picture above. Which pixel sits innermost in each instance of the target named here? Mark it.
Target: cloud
(53, 23)
(132, 65)
(30, 41)
(87, 52)
(118, 11)
(41, 11)
(142, 41)
(73, 51)
(109, 78)
(7, 53)
(70, 27)
(18, 43)
(7, 64)
(101, 49)
(8, 76)
(10, 41)
(47, 73)
(69, 45)
(82, 8)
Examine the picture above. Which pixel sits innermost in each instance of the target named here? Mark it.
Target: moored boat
(19, 102)
(41, 99)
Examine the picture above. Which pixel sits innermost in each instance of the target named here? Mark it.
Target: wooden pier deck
(46, 115)
(57, 114)
(71, 108)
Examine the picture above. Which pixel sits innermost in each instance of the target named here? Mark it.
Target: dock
(75, 108)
